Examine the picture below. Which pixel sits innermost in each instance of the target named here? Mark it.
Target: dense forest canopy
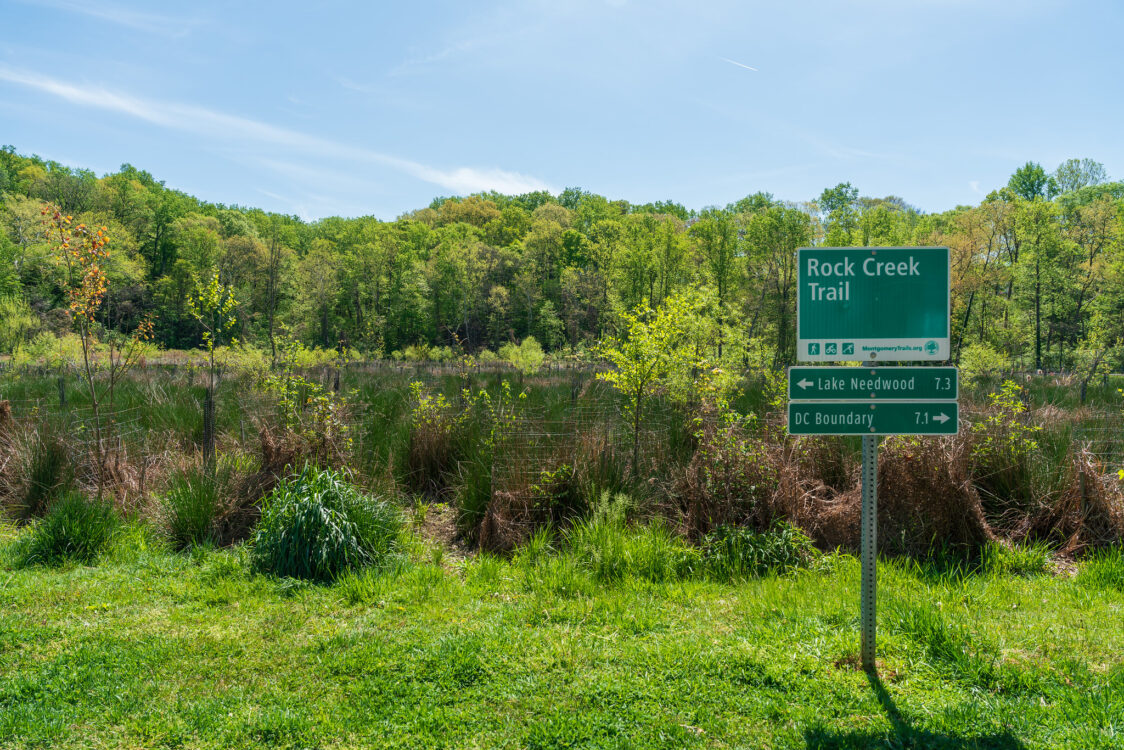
(1038, 267)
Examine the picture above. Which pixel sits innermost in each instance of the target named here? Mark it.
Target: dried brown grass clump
(1088, 512)
(10, 460)
(508, 522)
(554, 497)
(827, 460)
(925, 499)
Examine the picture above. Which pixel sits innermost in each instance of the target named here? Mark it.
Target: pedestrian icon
(813, 348)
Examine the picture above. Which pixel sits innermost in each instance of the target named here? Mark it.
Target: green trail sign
(872, 303)
(868, 418)
(872, 383)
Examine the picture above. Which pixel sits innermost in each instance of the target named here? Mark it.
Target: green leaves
(316, 526)
(214, 306)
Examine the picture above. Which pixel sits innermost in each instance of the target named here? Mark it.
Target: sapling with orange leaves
(82, 250)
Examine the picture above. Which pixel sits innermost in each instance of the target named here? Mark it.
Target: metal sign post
(869, 551)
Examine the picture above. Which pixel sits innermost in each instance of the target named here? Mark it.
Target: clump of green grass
(1000, 559)
(731, 553)
(50, 473)
(613, 551)
(316, 526)
(474, 493)
(1104, 569)
(75, 529)
(949, 646)
(189, 506)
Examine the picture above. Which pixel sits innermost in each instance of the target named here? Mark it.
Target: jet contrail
(740, 65)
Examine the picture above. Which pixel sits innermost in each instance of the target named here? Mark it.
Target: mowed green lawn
(154, 649)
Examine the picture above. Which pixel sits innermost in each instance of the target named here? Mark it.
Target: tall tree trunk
(1037, 316)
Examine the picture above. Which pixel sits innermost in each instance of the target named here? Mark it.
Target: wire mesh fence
(569, 418)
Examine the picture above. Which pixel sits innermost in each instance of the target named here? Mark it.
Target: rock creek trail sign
(861, 304)
(871, 305)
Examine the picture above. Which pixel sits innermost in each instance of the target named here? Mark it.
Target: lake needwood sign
(902, 383)
(872, 303)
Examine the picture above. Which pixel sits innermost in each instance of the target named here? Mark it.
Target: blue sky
(333, 108)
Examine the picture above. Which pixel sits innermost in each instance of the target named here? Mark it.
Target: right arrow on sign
(942, 418)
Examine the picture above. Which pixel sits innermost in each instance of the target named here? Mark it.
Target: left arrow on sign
(804, 383)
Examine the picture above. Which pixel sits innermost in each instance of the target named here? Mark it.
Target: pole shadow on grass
(903, 735)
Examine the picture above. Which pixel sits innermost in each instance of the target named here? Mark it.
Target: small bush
(733, 553)
(316, 526)
(1104, 569)
(75, 529)
(1005, 457)
(558, 496)
(527, 357)
(729, 481)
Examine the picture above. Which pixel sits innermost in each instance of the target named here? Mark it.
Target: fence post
(209, 429)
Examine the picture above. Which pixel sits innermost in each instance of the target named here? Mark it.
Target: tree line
(1038, 267)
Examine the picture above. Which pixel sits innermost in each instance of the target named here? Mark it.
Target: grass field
(149, 648)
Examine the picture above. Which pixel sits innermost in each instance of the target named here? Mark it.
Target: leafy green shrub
(527, 357)
(74, 529)
(979, 360)
(1006, 457)
(317, 526)
(735, 552)
(1104, 569)
(420, 352)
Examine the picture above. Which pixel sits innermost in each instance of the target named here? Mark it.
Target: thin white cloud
(150, 23)
(351, 85)
(975, 185)
(740, 65)
(218, 125)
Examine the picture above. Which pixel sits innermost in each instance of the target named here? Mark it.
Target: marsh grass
(75, 529)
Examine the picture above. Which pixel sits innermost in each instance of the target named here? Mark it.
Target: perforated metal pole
(869, 549)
